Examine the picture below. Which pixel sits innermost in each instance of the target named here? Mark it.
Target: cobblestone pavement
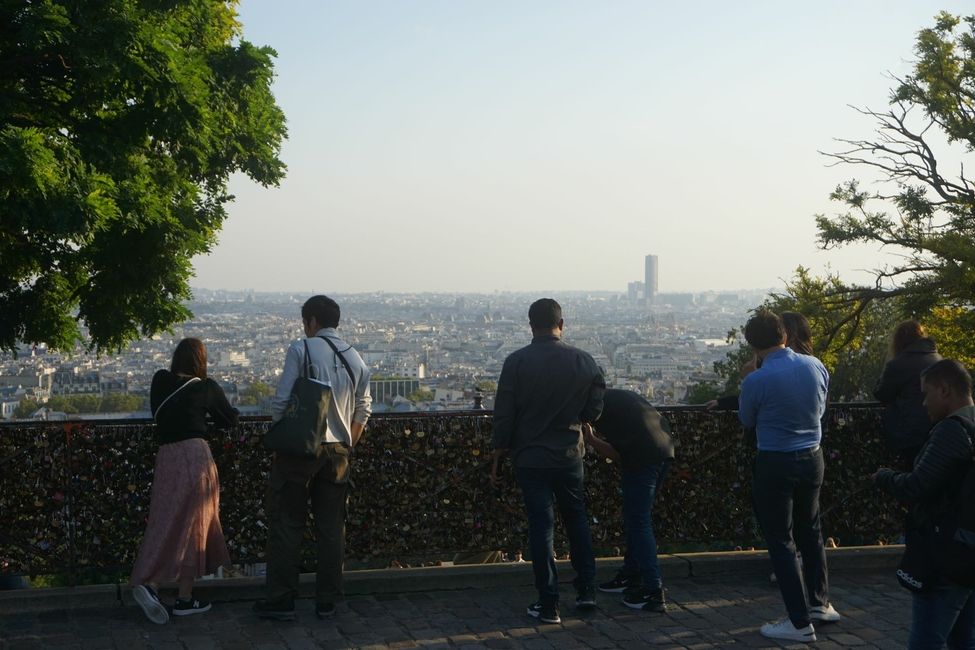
(703, 614)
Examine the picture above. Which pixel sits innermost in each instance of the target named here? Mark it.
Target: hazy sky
(481, 145)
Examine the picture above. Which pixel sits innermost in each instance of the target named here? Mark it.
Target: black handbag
(300, 430)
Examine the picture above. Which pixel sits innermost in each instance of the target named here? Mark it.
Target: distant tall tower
(650, 278)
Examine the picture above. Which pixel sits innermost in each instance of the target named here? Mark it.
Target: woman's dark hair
(798, 334)
(905, 334)
(325, 310)
(190, 358)
(764, 330)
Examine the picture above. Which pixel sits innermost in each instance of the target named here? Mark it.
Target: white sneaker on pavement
(784, 629)
(824, 613)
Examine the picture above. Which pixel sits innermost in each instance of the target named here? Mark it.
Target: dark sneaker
(586, 598)
(274, 611)
(649, 600)
(190, 606)
(545, 613)
(325, 610)
(617, 585)
(154, 610)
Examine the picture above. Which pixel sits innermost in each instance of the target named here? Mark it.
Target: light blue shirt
(347, 405)
(785, 400)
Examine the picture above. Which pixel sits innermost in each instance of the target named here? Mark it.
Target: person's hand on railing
(711, 404)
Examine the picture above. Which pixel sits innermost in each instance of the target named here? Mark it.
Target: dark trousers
(943, 616)
(542, 488)
(640, 488)
(293, 481)
(786, 498)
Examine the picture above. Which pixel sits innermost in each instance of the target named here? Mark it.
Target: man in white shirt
(323, 479)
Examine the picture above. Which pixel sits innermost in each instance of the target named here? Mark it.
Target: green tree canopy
(925, 208)
(120, 124)
(852, 347)
(254, 393)
(421, 395)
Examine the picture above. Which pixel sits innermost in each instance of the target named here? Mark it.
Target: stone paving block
(522, 632)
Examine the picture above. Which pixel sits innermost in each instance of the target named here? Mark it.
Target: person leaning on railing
(632, 433)
(183, 539)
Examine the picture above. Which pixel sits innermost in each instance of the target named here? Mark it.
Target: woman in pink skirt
(183, 538)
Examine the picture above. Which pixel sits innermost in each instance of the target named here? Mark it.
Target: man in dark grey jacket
(943, 612)
(545, 392)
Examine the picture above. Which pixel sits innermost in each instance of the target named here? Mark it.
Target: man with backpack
(943, 610)
(324, 479)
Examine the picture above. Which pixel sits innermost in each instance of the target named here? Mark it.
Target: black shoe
(649, 600)
(274, 611)
(325, 610)
(545, 613)
(617, 585)
(190, 606)
(586, 598)
(154, 610)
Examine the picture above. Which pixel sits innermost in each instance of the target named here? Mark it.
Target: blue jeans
(785, 491)
(943, 615)
(640, 488)
(542, 488)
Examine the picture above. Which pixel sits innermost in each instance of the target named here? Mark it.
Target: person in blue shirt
(784, 401)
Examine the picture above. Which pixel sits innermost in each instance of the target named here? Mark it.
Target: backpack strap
(967, 425)
(345, 363)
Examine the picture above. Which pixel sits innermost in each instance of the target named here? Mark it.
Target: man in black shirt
(638, 438)
(545, 392)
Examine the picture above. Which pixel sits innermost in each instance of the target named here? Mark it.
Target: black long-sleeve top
(185, 415)
(938, 470)
(635, 429)
(906, 423)
(545, 391)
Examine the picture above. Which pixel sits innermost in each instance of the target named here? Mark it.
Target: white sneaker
(784, 629)
(154, 610)
(824, 613)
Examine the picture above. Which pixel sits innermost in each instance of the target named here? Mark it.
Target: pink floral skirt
(183, 536)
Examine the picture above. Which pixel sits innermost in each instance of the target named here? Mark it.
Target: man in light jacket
(323, 479)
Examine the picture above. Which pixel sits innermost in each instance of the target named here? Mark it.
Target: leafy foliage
(254, 393)
(928, 213)
(74, 404)
(421, 395)
(120, 124)
(852, 346)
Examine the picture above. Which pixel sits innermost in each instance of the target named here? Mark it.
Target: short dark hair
(951, 374)
(190, 358)
(325, 310)
(544, 314)
(764, 330)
